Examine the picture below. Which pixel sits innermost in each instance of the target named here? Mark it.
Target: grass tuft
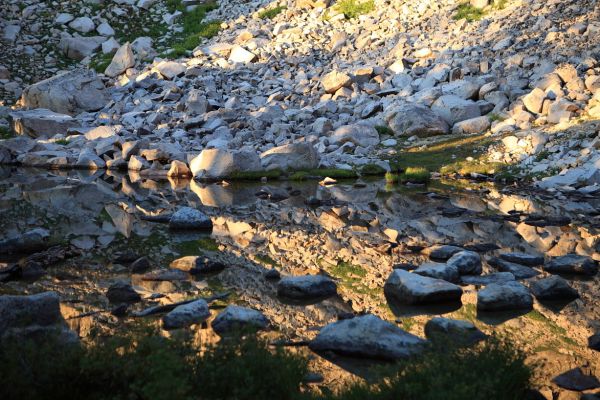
(271, 12)
(391, 177)
(384, 130)
(415, 175)
(468, 12)
(354, 8)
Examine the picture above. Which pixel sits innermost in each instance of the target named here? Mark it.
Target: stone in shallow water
(367, 336)
(187, 218)
(572, 264)
(185, 315)
(458, 332)
(466, 262)
(306, 287)
(504, 297)
(518, 270)
(409, 288)
(575, 379)
(239, 319)
(522, 258)
(553, 288)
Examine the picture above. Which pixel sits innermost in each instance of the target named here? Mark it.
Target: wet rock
(438, 271)
(572, 264)
(441, 251)
(28, 242)
(462, 333)
(142, 264)
(239, 319)
(187, 218)
(197, 265)
(219, 163)
(306, 287)
(185, 315)
(41, 123)
(367, 336)
(466, 263)
(122, 292)
(410, 119)
(409, 288)
(553, 288)
(68, 93)
(523, 259)
(290, 156)
(504, 297)
(575, 379)
(518, 270)
(496, 277)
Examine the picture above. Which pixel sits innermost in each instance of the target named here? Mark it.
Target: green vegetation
(271, 13)
(473, 167)
(384, 130)
(354, 8)
(62, 142)
(6, 133)
(495, 117)
(415, 175)
(265, 259)
(468, 12)
(551, 327)
(255, 175)
(143, 365)
(196, 247)
(390, 177)
(335, 173)
(194, 27)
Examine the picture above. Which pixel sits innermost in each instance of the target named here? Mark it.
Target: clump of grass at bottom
(271, 12)
(391, 177)
(354, 8)
(468, 12)
(415, 175)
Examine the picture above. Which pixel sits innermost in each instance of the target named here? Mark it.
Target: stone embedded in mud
(185, 315)
(518, 270)
(28, 242)
(187, 218)
(438, 271)
(122, 292)
(197, 265)
(367, 336)
(553, 288)
(504, 297)
(306, 287)
(441, 251)
(238, 319)
(457, 332)
(69, 93)
(523, 259)
(410, 288)
(572, 264)
(576, 380)
(466, 262)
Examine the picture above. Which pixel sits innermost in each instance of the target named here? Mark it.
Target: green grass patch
(354, 8)
(415, 175)
(6, 133)
(335, 173)
(468, 12)
(255, 175)
(384, 130)
(265, 259)
(62, 142)
(100, 62)
(551, 327)
(473, 167)
(391, 177)
(495, 117)
(271, 12)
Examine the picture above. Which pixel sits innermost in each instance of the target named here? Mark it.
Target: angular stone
(185, 315)
(483, 280)
(306, 287)
(335, 80)
(441, 251)
(359, 134)
(462, 333)
(41, 309)
(197, 265)
(553, 288)
(240, 55)
(518, 270)
(572, 264)
(28, 242)
(575, 379)
(472, 126)
(78, 48)
(534, 100)
(367, 336)
(179, 169)
(218, 163)
(523, 259)
(504, 297)
(290, 157)
(438, 271)
(410, 119)
(170, 69)
(187, 218)
(69, 93)
(41, 123)
(122, 292)
(453, 109)
(82, 24)
(409, 288)
(121, 61)
(234, 319)
(466, 263)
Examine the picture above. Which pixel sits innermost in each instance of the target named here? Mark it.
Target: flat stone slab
(306, 287)
(553, 288)
(518, 270)
(575, 379)
(466, 262)
(410, 288)
(441, 251)
(495, 277)
(529, 260)
(504, 297)
(438, 271)
(572, 264)
(367, 336)
(458, 332)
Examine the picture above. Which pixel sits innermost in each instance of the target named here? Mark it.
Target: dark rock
(553, 288)
(572, 264)
(197, 265)
(120, 310)
(496, 277)
(272, 275)
(438, 271)
(121, 292)
(238, 319)
(504, 297)
(454, 331)
(185, 315)
(41, 309)
(442, 251)
(306, 287)
(518, 270)
(142, 264)
(523, 259)
(28, 242)
(575, 379)
(594, 342)
(466, 263)
(405, 266)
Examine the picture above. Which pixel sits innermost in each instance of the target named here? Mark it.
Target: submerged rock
(409, 288)
(306, 287)
(457, 332)
(572, 264)
(185, 315)
(367, 336)
(187, 218)
(239, 319)
(504, 297)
